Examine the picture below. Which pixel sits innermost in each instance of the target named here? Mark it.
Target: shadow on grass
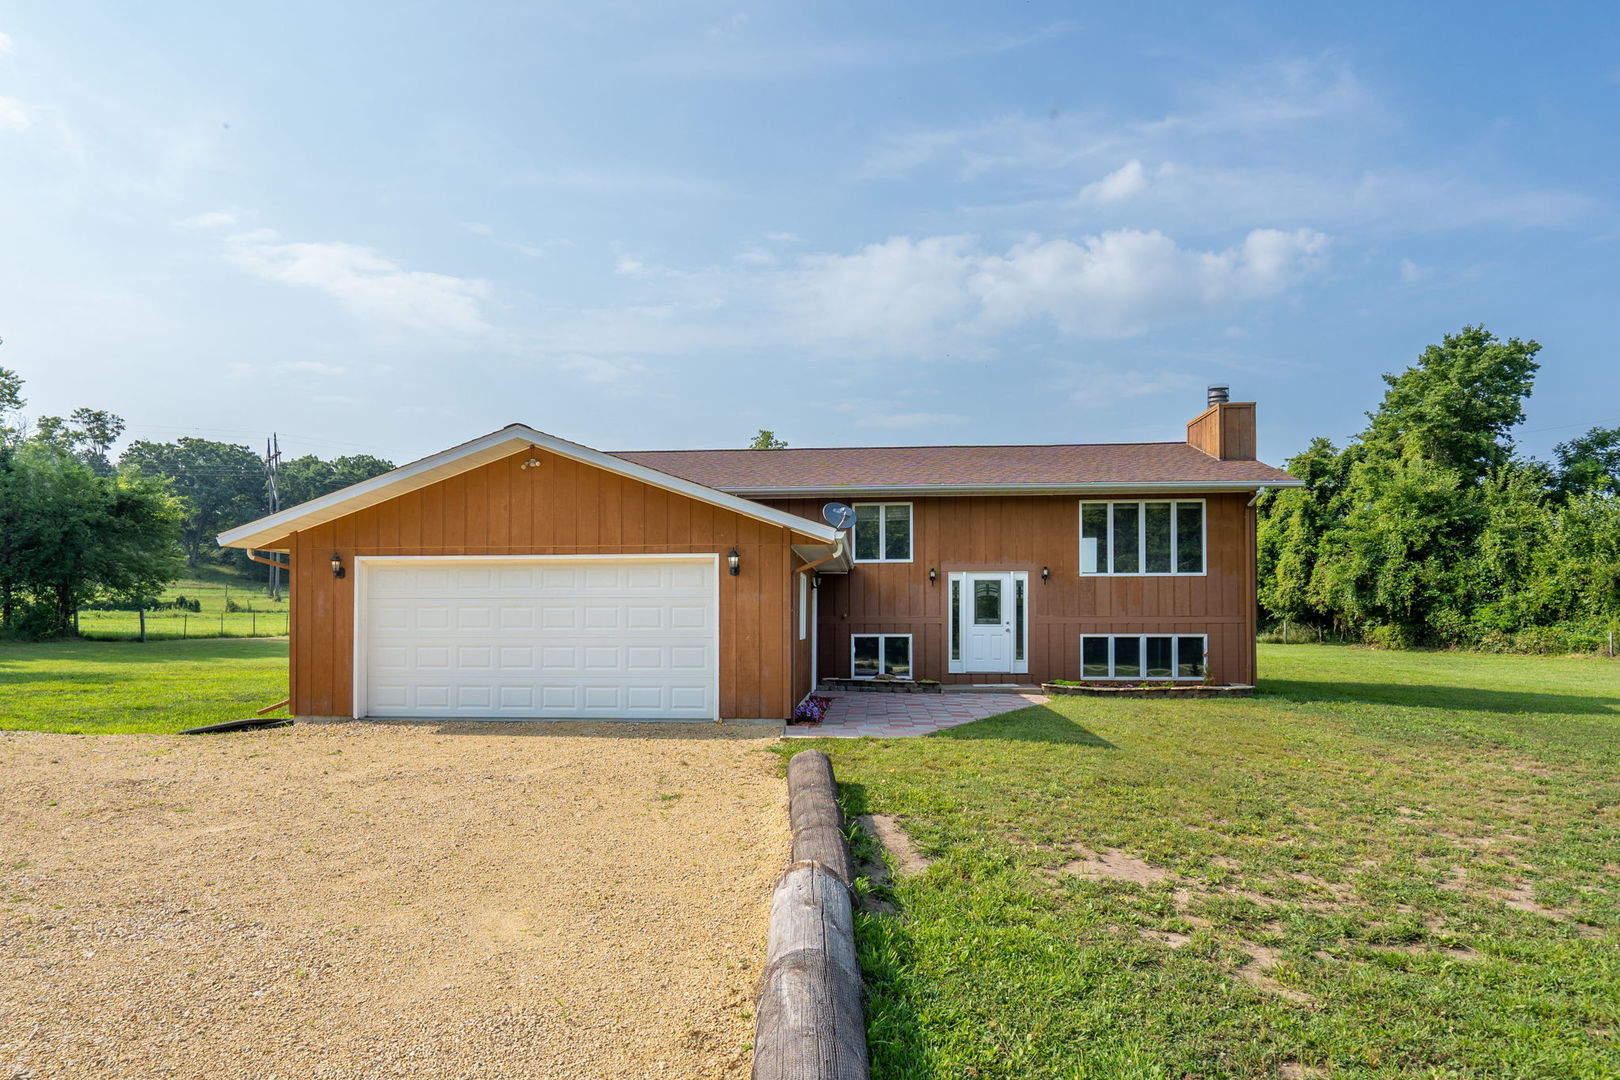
(1441, 697)
(1038, 723)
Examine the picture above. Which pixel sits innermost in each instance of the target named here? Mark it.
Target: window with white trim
(871, 655)
(882, 532)
(1144, 538)
(804, 606)
(1143, 656)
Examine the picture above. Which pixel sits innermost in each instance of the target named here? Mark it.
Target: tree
(75, 537)
(304, 478)
(222, 485)
(88, 435)
(1589, 463)
(1456, 405)
(767, 440)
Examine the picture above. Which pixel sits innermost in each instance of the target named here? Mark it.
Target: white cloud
(14, 115)
(601, 370)
(1117, 284)
(309, 367)
(213, 219)
(891, 293)
(1412, 273)
(1122, 183)
(5, 44)
(368, 284)
(1096, 384)
(912, 420)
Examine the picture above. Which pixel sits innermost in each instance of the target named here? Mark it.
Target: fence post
(183, 620)
(253, 627)
(222, 624)
(143, 625)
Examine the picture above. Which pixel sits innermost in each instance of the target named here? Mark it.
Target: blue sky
(392, 227)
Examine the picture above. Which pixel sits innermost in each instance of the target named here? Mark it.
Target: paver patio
(885, 716)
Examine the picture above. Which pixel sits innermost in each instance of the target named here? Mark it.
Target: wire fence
(179, 625)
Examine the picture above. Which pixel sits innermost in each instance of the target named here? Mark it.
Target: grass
(1382, 865)
(104, 688)
(210, 585)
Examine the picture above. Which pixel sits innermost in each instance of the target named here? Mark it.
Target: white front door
(987, 622)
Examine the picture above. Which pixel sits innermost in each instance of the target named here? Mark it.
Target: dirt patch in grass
(1114, 865)
(888, 832)
(347, 901)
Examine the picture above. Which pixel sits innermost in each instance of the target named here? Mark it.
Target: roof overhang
(264, 533)
(836, 558)
(1157, 487)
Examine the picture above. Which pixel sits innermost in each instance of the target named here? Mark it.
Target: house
(520, 575)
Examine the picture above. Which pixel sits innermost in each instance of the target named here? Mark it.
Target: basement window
(871, 655)
(1154, 657)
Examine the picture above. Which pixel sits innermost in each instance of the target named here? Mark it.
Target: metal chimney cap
(1219, 395)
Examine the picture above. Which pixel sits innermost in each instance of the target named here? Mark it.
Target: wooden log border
(810, 1024)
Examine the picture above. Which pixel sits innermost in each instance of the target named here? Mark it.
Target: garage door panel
(615, 639)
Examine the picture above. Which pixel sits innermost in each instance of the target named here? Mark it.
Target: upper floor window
(1142, 537)
(882, 532)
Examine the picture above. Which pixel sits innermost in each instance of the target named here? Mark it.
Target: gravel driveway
(385, 900)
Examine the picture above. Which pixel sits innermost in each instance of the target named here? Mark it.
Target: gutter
(1168, 487)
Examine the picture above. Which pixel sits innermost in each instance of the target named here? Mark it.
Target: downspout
(1259, 491)
(287, 566)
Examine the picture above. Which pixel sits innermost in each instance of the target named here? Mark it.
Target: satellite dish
(837, 515)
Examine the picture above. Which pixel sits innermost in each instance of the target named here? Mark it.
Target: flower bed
(882, 686)
(1149, 690)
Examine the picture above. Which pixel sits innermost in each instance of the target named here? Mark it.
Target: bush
(1390, 636)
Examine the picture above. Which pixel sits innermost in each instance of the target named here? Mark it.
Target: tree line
(78, 528)
(1430, 528)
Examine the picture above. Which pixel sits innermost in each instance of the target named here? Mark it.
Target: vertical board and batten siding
(561, 507)
(1026, 533)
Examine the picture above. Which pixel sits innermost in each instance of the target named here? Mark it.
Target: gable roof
(263, 533)
(963, 470)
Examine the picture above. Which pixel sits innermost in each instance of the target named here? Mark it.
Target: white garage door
(551, 638)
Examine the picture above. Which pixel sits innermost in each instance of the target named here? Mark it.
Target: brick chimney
(1224, 430)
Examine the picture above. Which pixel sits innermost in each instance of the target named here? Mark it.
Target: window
(1147, 538)
(1142, 656)
(804, 606)
(956, 618)
(882, 532)
(1018, 617)
(875, 654)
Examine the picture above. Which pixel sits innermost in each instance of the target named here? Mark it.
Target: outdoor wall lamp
(933, 575)
(734, 562)
(337, 565)
(1046, 572)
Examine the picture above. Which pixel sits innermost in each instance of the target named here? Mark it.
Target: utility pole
(272, 464)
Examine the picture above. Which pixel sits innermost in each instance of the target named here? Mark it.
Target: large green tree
(304, 478)
(222, 484)
(70, 534)
(1427, 528)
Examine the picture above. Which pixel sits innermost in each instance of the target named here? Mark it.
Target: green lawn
(259, 615)
(1386, 864)
(103, 687)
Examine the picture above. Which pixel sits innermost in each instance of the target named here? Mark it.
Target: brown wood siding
(560, 508)
(1026, 533)
(1225, 431)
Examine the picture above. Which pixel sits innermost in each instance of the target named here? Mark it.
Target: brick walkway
(885, 716)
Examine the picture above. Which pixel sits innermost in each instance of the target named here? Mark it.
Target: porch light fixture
(1046, 572)
(933, 575)
(734, 562)
(337, 566)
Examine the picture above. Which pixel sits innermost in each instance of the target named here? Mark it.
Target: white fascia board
(482, 451)
(1175, 487)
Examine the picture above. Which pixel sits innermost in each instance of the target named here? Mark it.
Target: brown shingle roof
(901, 467)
